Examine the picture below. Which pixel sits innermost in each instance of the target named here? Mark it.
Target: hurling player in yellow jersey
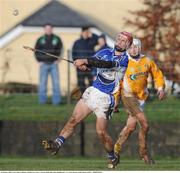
(133, 95)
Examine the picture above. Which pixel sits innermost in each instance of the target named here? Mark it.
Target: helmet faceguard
(129, 41)
(128, 35)
(137, 42)
(135, 48)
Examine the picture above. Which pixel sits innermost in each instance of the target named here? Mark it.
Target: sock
(117, 148)
(60, 140)
(111, 155)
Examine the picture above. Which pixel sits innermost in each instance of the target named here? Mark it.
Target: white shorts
(100, 103)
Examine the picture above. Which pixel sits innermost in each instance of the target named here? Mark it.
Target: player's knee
(143, 121)
(131, 127)
(100, 133)
(73, 121)
(145, 127)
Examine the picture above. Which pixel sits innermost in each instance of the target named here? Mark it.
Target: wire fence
(21, 76)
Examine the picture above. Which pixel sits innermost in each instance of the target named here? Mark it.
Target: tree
(157, 25)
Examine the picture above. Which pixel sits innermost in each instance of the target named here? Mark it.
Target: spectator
(50, 43)
(102, 44)
(83, 48)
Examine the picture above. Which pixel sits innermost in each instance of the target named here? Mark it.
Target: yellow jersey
(136, 77)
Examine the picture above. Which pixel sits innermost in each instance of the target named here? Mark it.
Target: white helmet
(137, 42)
(135, 53)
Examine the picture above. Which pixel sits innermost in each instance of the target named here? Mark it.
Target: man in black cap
(84, 48)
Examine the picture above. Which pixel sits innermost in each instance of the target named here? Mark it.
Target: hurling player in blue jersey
(98, 98)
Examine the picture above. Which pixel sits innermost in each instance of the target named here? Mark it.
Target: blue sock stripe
(111, 155)
(60, 140)
(59, 143)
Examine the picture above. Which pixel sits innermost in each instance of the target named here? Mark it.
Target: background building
(22, 23)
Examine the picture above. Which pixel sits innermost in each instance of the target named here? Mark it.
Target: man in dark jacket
(83, 48)
(50, 43)
(102, 44)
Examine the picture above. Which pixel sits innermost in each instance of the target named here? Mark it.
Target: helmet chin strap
(118, 49)
(135, 56)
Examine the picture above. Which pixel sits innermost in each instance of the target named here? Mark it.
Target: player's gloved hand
(161, 94)
(83, 68)
(80, 62)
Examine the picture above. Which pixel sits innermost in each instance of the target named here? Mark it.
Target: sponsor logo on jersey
(138, 75)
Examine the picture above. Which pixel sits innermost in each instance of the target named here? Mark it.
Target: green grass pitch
(26, 108)
(82, 163)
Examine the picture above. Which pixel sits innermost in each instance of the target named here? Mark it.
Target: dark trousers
(81, 76)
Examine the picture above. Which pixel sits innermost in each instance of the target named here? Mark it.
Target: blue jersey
(107, 79)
